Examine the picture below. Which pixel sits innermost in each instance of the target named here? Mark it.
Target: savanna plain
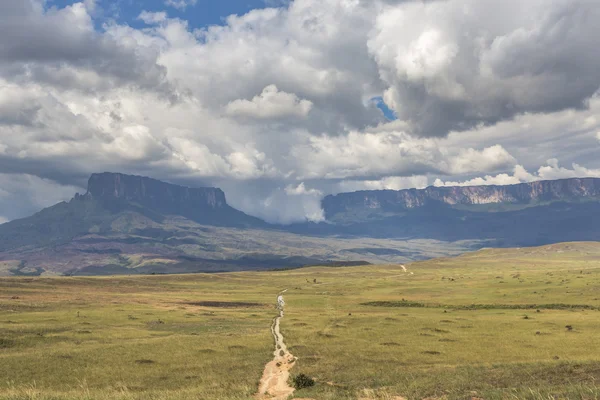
(492, 324)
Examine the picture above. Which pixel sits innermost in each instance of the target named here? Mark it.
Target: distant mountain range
(476, 198)
(133, 224)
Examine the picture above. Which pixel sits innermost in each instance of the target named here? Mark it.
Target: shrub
(302, 381)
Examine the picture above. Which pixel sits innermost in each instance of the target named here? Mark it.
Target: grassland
(490, 324)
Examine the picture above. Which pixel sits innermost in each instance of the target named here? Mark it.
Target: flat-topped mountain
(133, 224)
(493, 197)
(153, 193)
(110, 198)
(203, 205)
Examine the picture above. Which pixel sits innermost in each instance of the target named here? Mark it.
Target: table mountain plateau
(133, 224)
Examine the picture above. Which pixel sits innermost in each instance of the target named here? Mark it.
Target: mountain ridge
(515, 194)
(134, 224)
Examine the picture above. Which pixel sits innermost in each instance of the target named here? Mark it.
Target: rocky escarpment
(207, 205)
(577, 189)
(152, 193)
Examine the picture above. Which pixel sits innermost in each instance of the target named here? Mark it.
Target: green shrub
(302, 381)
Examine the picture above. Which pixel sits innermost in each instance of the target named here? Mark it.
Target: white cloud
(387, 183)
(271, 103)
(360, 154)
(554, 171)
(151, 18)
(551, 171)
(180, 4)
(488, 159)
(301, 190)
(451, 65)
(293, 203)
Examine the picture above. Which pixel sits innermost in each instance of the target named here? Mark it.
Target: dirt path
(274, 382)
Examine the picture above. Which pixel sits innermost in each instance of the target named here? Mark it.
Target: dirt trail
(274, 382)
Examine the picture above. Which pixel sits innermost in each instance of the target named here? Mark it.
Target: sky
(280, 103)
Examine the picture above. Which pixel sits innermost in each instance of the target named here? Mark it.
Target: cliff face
(525, 193)
(153, 193)
(118, 192)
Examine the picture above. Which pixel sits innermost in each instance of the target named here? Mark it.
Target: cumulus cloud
(280, 204)
(270, 104)
(387, 183)
(301, 190)
(60, 47)
(552, 170)
(451, 65)
(360, 154)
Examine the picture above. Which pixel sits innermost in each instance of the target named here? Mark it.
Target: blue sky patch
(387, 112)
(199, 15)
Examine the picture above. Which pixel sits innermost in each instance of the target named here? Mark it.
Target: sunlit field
(494, 324)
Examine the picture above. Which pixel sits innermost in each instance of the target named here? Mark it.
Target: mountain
(109, 197)
(207, 205)
(347, 206)
(133, 224)
(525, 214)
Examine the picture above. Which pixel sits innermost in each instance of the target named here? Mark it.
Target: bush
(302, 381)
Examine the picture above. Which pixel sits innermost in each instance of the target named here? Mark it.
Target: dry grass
(141, 338)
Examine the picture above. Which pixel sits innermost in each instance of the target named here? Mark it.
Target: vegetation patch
(302, 381)
(431, 352)
(226, 304)
(6, 343)
(414, 304)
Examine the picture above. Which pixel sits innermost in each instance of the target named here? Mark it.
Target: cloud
(60, 47)
(275, 106)
(180, 4)
(551, 171)
(270, 104)
(31, 193)
(151, 18)
(392, 153)
(301, 190)
(387, 183)
(452, 65)
(277, 204)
